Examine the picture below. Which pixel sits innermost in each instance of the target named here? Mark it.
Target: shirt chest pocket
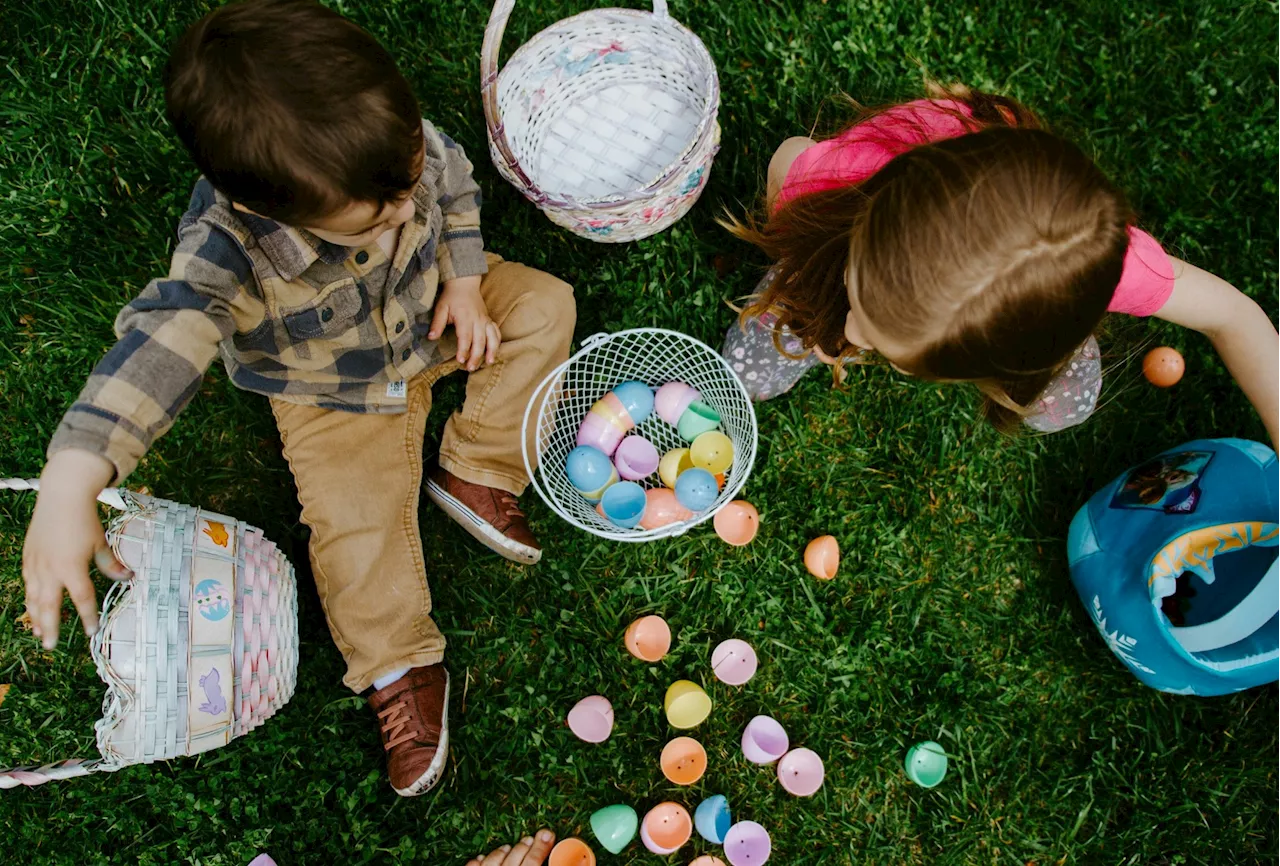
(337, 308)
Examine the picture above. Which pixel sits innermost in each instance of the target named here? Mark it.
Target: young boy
(333, 239)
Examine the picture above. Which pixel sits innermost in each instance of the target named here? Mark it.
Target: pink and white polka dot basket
(198, 648)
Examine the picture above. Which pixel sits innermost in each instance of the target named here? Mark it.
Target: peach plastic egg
(822, 557)
(1163, 367)
(648, 638)
(737, 523)
(683, 761)
(662, 508)
(707, 860)
(665, 828)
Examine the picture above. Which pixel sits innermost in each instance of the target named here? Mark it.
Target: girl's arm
(1238, 328)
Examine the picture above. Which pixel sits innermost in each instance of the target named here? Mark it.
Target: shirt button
(404, 356)
(326, 314)
(362, 257)
(399, 327)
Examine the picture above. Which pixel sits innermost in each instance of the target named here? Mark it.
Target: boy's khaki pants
(359, 475)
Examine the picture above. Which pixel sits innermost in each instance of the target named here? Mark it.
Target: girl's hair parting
(991, 257)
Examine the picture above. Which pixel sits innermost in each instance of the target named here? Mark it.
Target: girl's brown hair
(990, 257)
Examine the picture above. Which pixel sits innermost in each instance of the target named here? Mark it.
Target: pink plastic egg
(672, 399)
(591, 719)
(734, 662)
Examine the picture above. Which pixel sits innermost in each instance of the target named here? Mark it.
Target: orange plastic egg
(662, 508)
(572, 852)
(1163, 367)
(707, 860)
(822, 557)
(737, 523)
(683, 761)
(648, 638)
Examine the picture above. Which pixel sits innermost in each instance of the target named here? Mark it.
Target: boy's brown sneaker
(413, 716)
(491, 515)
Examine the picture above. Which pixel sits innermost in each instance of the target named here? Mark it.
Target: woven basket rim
(707, 121)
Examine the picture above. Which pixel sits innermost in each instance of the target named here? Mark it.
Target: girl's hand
(529, 851)
(461, 305)
(65, 534)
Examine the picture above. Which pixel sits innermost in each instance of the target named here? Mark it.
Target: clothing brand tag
(396, 389)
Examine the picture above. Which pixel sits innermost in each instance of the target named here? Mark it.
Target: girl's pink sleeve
(1147, 279)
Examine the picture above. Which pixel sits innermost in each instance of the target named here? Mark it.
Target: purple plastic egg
(636, 458)
(747, 844)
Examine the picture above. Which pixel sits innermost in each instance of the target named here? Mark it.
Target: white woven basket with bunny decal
(605, 120)
(199, 647)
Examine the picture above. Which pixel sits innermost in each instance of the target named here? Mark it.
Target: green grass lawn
(953, 617)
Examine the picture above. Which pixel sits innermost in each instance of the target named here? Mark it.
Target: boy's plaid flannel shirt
(294, 317)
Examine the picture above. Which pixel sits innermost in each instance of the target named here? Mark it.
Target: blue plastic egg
(712, 819)
(696, 489)
(623, 504)
(590, 471)
(636, 398)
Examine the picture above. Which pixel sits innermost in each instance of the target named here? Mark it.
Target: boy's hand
(64, 535)
(460, 305)
(529, 851)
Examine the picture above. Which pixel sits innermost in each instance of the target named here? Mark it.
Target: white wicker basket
(198, 648)
(606, 120)
(651, 355)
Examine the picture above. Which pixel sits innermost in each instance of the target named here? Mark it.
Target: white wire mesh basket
(654, 356)
(605, 120)
(199, 647)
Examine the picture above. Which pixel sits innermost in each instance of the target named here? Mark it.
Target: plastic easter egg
(672, 399)
(706, 860)
(572, 852)
(699, 418)
(635, 458)
(712, 819)
(926, 764)
(683, 761)
(665, 828)
(591, 719)
(686, 704)
(648, 638)
(822, 557)
(737, 523)
(1163, 367)
(623, 504)
(636, 399)
(696, 489)
(602, 432)
(615, 827)
(800, 771)
(590, 472)
(764, 740)
(734, 662)
(662, 509)
(672, 464)
(712, 451)
(747, 844)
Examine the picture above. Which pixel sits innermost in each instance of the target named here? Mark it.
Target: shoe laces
(395, 720)
(510, 507)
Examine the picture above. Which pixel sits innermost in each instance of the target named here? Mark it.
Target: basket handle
(489, 48)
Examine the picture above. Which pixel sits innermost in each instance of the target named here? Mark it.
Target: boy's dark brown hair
(991, 256)
(293, 111)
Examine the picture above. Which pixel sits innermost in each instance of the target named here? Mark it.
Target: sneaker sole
(435, 771)
(478, 529)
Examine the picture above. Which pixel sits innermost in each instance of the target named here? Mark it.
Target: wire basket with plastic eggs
(640, 435)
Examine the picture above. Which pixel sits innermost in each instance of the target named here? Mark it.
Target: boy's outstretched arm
(168, 337)
(1239, 329)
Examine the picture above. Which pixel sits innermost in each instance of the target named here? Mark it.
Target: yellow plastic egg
(672, 464)
(712, 451)
(687, 705)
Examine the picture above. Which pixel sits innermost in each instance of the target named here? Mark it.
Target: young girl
(960, 241)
